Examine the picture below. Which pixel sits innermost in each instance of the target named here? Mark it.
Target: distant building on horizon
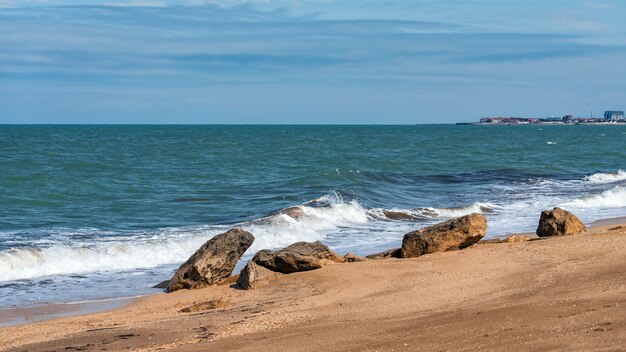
(609, 117)
(614, 116)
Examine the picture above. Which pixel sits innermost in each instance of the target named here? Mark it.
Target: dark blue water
(84, 208)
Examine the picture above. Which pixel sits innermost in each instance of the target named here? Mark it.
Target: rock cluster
(214, 262)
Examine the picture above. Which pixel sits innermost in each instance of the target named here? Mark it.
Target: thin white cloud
(139, 3)
(356, 59)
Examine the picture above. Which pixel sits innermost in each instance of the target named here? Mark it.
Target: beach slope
(565, 293)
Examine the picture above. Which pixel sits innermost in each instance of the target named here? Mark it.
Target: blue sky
(325, 61)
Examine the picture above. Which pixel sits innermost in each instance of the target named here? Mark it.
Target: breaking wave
(28, 263)
(432, 213)
(612, 198)
(310, 221)
(620, 175)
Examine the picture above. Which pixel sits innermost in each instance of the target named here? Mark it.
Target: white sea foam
(27, 263)
(339, 222)
(620, 175)
(135, 253)
(473, 208)
(432, 213)
(314, 221)
(176, 245)
(282, 229)
(612, 198)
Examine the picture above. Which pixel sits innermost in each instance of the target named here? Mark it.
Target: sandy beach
(312, 175)
(564, 293)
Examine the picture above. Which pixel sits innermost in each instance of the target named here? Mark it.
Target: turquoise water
(105, 211)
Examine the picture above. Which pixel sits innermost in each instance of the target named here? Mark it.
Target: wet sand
(609, 221)
(566, 293)
(25, 315)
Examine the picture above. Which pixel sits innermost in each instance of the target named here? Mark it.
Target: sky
(308, 61)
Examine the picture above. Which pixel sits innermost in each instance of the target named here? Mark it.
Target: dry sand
(558, 294)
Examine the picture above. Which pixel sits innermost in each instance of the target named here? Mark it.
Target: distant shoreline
(542, 124)
(4, 125)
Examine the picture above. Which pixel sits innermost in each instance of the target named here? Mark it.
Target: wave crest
(620, 175)
(612, 198)
(310, 221)
(432, 213)
(28, 263)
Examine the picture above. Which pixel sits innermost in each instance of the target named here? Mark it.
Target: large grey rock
(254, 276)
(213, 262)
(301, 256)
(559, 222)
(451, 235)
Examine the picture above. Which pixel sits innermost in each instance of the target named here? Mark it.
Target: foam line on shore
(311, 221)
(315, 219)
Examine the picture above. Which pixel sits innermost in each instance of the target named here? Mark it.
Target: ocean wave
(432, 213)
(172, 246)
(306, 222)
(28, 263)
(310, 221)
(473, 208)
(620, 175)
(504, 175)
(612, 198)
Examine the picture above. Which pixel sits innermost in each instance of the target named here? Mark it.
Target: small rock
(254, 276)
(392, 253)
(451, 235)
(520, 238)
(351, 258)
(559, 222)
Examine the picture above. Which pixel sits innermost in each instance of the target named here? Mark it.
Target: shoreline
(620, 220)
(49, 311)
(44, 312)
(481, 296)
(542, 124)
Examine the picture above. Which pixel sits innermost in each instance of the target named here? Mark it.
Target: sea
(95, 212)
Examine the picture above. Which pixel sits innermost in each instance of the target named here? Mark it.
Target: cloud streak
(209, 60)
